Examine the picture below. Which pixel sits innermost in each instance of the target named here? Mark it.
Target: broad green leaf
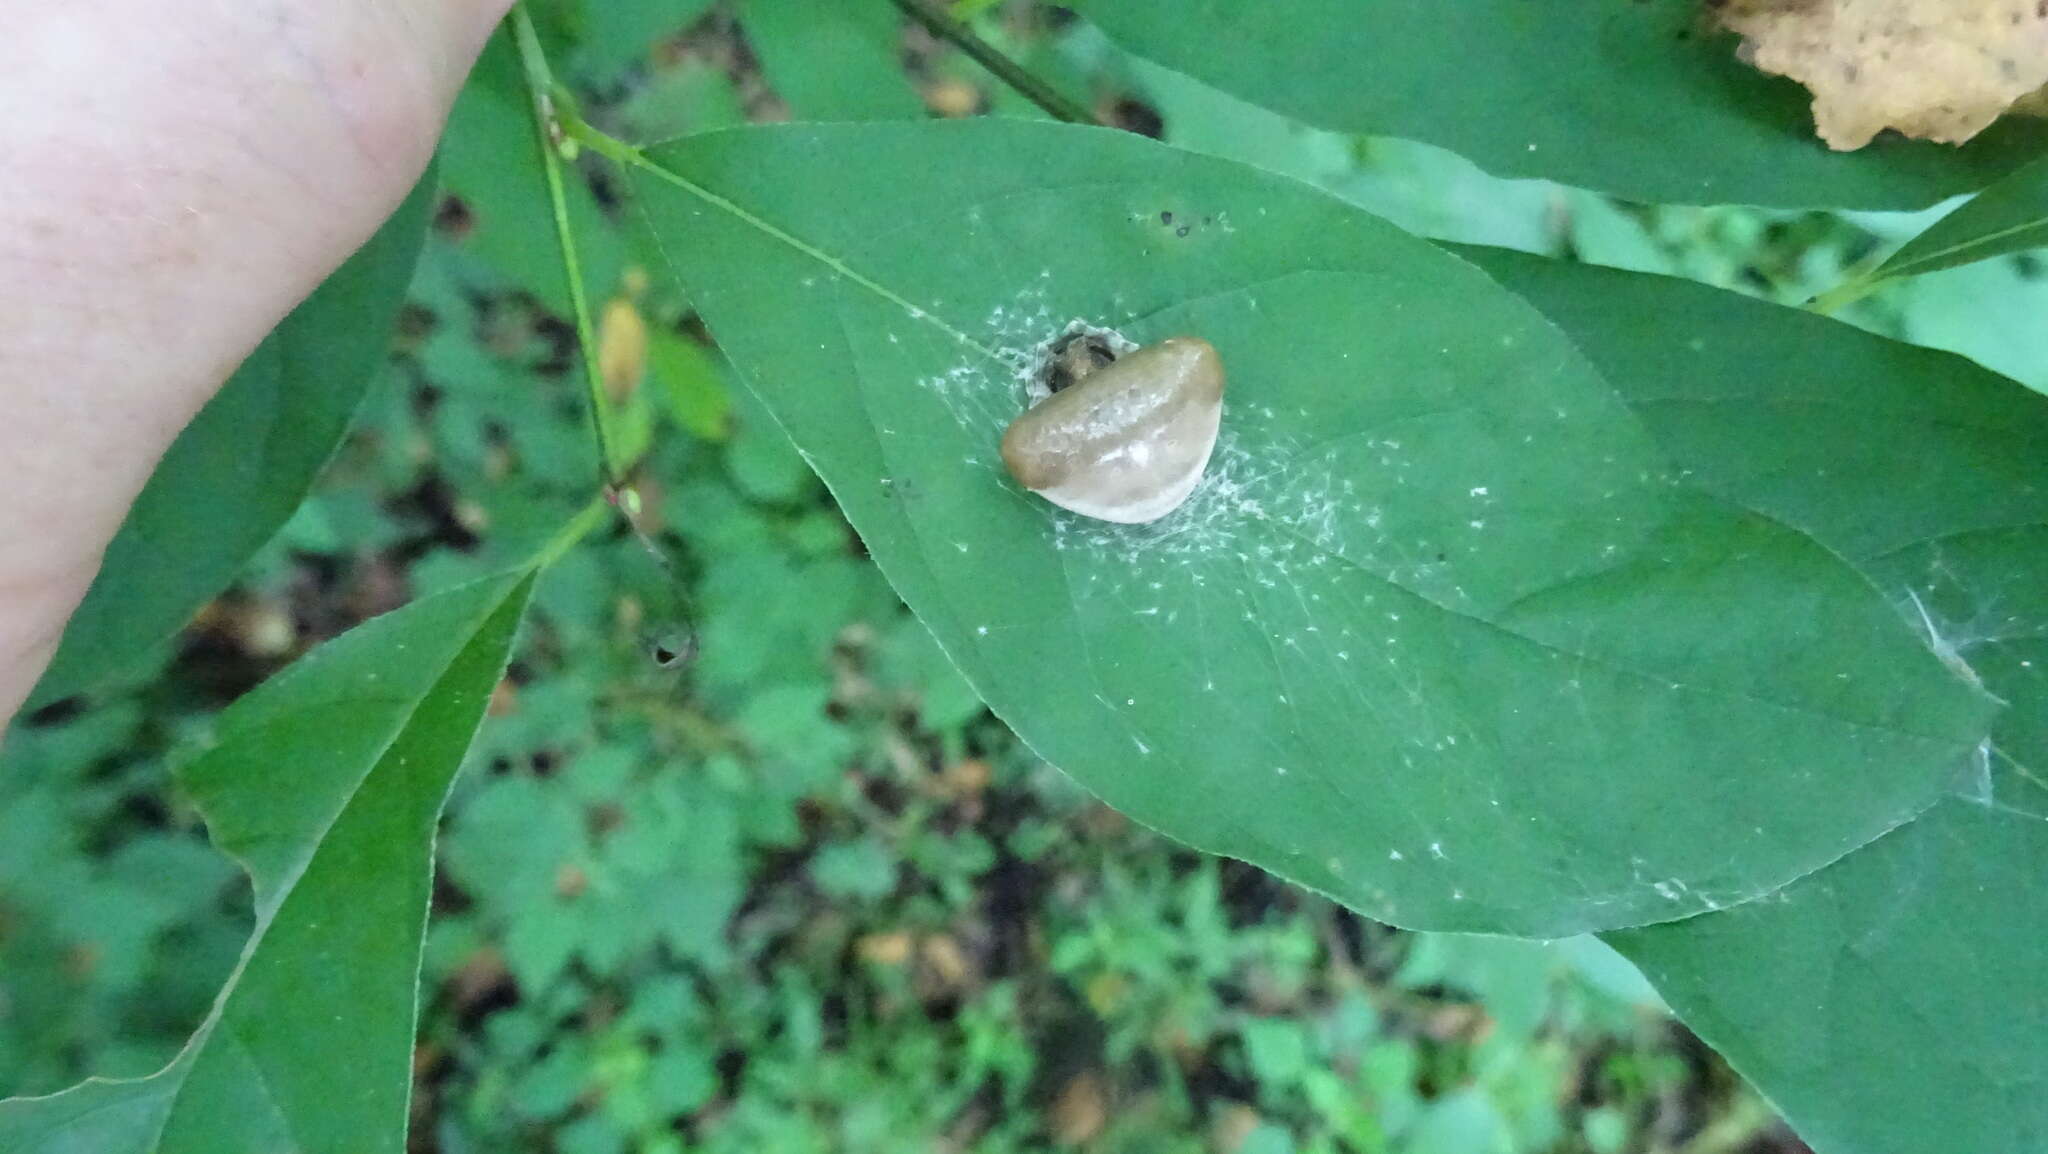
(1894, 996)
(236, 473)
(2010, 216)
(833, 59)
(1889, 1004)
(491, 158)
(1440, 635)
(1629, 98)
(326, 784)
(1928, 473)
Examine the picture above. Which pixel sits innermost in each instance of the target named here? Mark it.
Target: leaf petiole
(549, 117)
(955, 32)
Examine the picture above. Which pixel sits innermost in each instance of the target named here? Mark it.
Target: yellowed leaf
(1931, 69)
(887, 948)
(947, 960)
(621, 348)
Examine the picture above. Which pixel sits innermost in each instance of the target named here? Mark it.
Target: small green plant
(1522, 600)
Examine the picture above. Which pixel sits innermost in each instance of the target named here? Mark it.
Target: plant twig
(1847, 293)
(1865, 278)
(540, 86)
(553, 120)
(575, 530)
(945, 27)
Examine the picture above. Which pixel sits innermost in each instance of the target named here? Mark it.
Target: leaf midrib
(1937, 260)
(765, 227)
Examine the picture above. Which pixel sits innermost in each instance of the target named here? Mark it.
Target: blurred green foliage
(805, 894)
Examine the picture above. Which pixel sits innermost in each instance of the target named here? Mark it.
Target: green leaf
(693, 96)
(511, 838)
(2009, 216)
(692, 385)
(1439, 636)
(863, 869)
(833, 59)
(1461, 1123)
(681, 1079)
(760, 460)
(1630, 99)
(1928, 473)
(1277, 1051)
(326, 784)
(1889, 1004)
(237, 472)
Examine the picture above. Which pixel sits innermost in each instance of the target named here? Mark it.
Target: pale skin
(178, 177)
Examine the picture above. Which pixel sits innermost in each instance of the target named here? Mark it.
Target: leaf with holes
(1439, 634)
(1633, 99)
(236, 473)
(325, 783)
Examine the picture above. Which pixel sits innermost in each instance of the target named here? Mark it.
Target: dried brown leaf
(1932, 69)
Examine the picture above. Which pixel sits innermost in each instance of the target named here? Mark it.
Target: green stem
(540, 86)
(573, 531)
(1847, 293)
(602, 143)
(1864, 279)
(940, 24)
(561, 130)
